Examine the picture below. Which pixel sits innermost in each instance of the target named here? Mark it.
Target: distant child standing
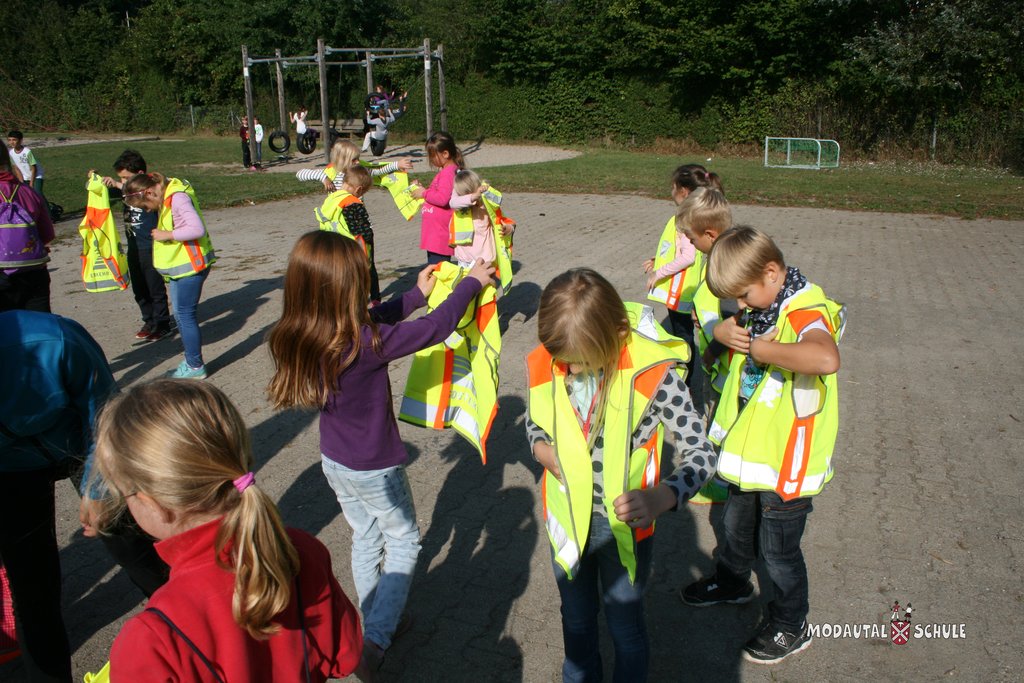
(22, 157)
(601, 395)
(776, 427)
(436, 214)
(247, 599)
(182, 254)
(343, 212)
(243, 134)
(673, 270)
(331, 352)
(147, 283)
(257, 130)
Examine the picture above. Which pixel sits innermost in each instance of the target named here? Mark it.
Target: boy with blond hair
(776, 427)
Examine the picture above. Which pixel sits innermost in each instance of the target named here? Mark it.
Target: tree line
(890, 77)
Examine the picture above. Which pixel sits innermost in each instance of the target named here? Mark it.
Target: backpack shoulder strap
(181, 634)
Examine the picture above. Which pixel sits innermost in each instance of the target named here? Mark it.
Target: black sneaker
(771, 644)
(709, 591)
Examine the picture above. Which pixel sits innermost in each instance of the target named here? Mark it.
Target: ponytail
(253, 544)
(692, 176)
(444, 142)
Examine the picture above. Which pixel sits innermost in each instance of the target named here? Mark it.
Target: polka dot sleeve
(696, 460)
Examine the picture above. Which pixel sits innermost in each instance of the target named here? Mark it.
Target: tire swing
(279, 142)
(306, 143)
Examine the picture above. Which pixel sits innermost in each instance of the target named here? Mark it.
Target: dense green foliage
(880, 76)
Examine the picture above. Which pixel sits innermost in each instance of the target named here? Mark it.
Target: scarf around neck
(760, 321)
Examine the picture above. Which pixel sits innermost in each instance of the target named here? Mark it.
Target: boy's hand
(640, 507)
(730, 333)
(544, 453)
(483, 272)
(758, 345)
(649, 265)
(405, 164)
(426, 280)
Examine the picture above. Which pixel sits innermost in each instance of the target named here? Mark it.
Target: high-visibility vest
(397, 184)
(707, 310)
(104, 262)
(455, 383)
(675, 291)
(460, 231)
(782, 439)
(174, 259)
(331, 219)
(643, 363)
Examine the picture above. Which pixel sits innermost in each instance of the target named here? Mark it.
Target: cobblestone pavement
(925, 506)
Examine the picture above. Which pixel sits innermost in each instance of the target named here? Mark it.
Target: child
(345, 154)
(776, 428)
(476, 204)
(182, 254)
(257, 130)
(437, 213)
(673, 270)
(600, 503)
(344, 212)
(702, 217)
(23, 251)
(22, 157)
(147, 284)
(247, 599)
(331, 352)
(243, 134)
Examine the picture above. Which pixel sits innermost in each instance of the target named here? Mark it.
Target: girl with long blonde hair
(604, 385)
(331, 353)
(248, 599)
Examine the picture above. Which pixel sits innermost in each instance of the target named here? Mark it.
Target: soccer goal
(800, 153)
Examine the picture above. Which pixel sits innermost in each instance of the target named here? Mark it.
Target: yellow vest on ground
(397, 184)
(643, 363)
(174, 259)
(460, 231)
(331, 219)
(782, 440)
(675, 291)
(104, 263)
(455, 383)
(708, 312)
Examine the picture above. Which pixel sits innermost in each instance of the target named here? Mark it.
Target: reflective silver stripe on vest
(492, 197)
(186, 268)
(565, 549)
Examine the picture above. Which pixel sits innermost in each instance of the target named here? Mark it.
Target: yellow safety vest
(331, 219)
(675, 291)
(175, 259)
(460, 231)
(708, 312)
(782, 440)
(643, 363)
(455, 383)
(104, 263)
(397, 184)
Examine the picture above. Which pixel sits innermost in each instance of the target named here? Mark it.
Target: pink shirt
(685, 255)
(187, 223)
(483, 241)
(436, 213)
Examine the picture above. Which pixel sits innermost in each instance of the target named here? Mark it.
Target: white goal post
(800, 153)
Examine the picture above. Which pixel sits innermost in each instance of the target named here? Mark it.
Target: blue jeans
(762, 521)
(601, 579)
(378, 505)
(185, 293)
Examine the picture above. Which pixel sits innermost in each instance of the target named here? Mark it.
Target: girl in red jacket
(247, 600)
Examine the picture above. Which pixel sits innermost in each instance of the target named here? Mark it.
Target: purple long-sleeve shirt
(358, 428)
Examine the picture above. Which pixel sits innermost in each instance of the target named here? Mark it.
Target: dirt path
(925, 506)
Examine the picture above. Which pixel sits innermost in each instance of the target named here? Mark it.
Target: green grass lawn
(214, 168)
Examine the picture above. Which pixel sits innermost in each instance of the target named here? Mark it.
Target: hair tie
(244, 481)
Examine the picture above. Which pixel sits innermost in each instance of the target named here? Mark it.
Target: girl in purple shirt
(437, 213)
(331, 352)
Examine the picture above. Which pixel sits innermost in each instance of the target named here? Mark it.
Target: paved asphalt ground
(925, 506)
